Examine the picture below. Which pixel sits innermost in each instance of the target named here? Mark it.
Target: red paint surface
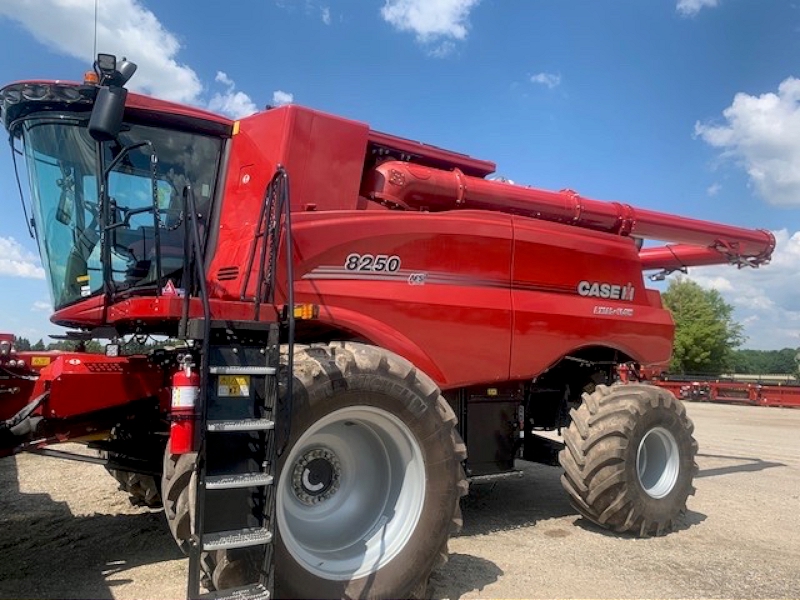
(82, 383)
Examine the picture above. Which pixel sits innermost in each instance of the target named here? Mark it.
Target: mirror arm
(123, 153)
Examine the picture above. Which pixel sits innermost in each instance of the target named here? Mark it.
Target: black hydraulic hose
(285, 204)
(105, 247)
(197, 253)
(156, 218)
(254, 244)
(188, 270)
(19, 186)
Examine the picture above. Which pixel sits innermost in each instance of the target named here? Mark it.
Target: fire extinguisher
(185, 390)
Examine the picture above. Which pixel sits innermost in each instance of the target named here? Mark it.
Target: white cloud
(550, 80)
(223, 78)
(442, 49)
(434, 22)
(689, 8)
(40, 306)
(714, 189)
(124, 28)
(230, 102)
(310, 7)
(762, 134)
(765, 300)
(279, 98)
(16, 261)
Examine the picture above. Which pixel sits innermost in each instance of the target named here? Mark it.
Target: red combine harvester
(351, 349)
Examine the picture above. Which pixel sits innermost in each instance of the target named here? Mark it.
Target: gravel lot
(66, 532)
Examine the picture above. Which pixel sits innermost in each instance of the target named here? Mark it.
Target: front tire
(629, 458)
(370, 481)
(386, 430)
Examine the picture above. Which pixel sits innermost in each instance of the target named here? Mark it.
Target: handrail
(193, 257)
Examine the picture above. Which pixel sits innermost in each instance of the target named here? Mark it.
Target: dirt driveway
(65, 532)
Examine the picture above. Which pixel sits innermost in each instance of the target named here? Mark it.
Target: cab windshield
(63, 161)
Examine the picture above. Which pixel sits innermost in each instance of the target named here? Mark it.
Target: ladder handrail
(195, 269)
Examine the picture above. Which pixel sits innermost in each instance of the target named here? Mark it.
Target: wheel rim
(658, 462)
(351, 493)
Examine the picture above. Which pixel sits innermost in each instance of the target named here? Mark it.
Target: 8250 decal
(375, 263)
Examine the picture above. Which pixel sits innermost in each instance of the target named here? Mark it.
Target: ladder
(234, 517)
(237, 461)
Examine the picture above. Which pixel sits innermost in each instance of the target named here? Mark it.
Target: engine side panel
(432, 288)
(476, 297)
(574, 288)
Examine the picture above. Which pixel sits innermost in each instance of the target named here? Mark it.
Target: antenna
(94, 49)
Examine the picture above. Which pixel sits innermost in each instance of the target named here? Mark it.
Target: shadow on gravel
(50, 553)
(536, 496)
(743, 465)
(517, 502)
(686, 521)
(462, 574)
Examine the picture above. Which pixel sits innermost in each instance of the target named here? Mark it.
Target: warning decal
(233, 386)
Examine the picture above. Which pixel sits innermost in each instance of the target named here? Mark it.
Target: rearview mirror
(109, 107)
(64, 209)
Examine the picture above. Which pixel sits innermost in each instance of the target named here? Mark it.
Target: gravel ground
(66, 532)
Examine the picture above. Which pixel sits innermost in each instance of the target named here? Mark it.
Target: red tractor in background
(353, 347)
(18, 371)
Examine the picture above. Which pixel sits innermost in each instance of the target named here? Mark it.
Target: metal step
(241, 425)
(239, 370)
(238, 538)
(245, 592)
(243, 480)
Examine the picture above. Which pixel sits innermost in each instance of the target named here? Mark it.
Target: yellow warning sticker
(233, 386)
(40, 361)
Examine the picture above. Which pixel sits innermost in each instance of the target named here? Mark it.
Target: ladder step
(237, 370)
(241, 425)
(243, 480)
(245, 592)
(238, 538)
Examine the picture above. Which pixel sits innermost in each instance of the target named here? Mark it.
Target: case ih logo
(598, 289)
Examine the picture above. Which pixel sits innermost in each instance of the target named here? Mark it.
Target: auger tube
(414, 187)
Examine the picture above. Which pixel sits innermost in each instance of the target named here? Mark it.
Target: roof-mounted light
(112, 72)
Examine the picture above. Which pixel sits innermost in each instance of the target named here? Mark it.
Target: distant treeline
(774, 362)
(129, 346)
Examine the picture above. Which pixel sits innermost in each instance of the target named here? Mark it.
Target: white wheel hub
(658, 462)
(351, 493)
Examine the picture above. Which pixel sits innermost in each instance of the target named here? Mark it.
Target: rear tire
(629, 459)
(177, 493)
(143, 489)
(399, 464)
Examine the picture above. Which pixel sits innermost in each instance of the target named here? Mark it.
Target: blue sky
(684, 106)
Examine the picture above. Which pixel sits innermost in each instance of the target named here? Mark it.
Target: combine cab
(364, 323)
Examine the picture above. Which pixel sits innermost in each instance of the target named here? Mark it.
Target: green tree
(22, 343)
(705, 332)
(38, 345)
